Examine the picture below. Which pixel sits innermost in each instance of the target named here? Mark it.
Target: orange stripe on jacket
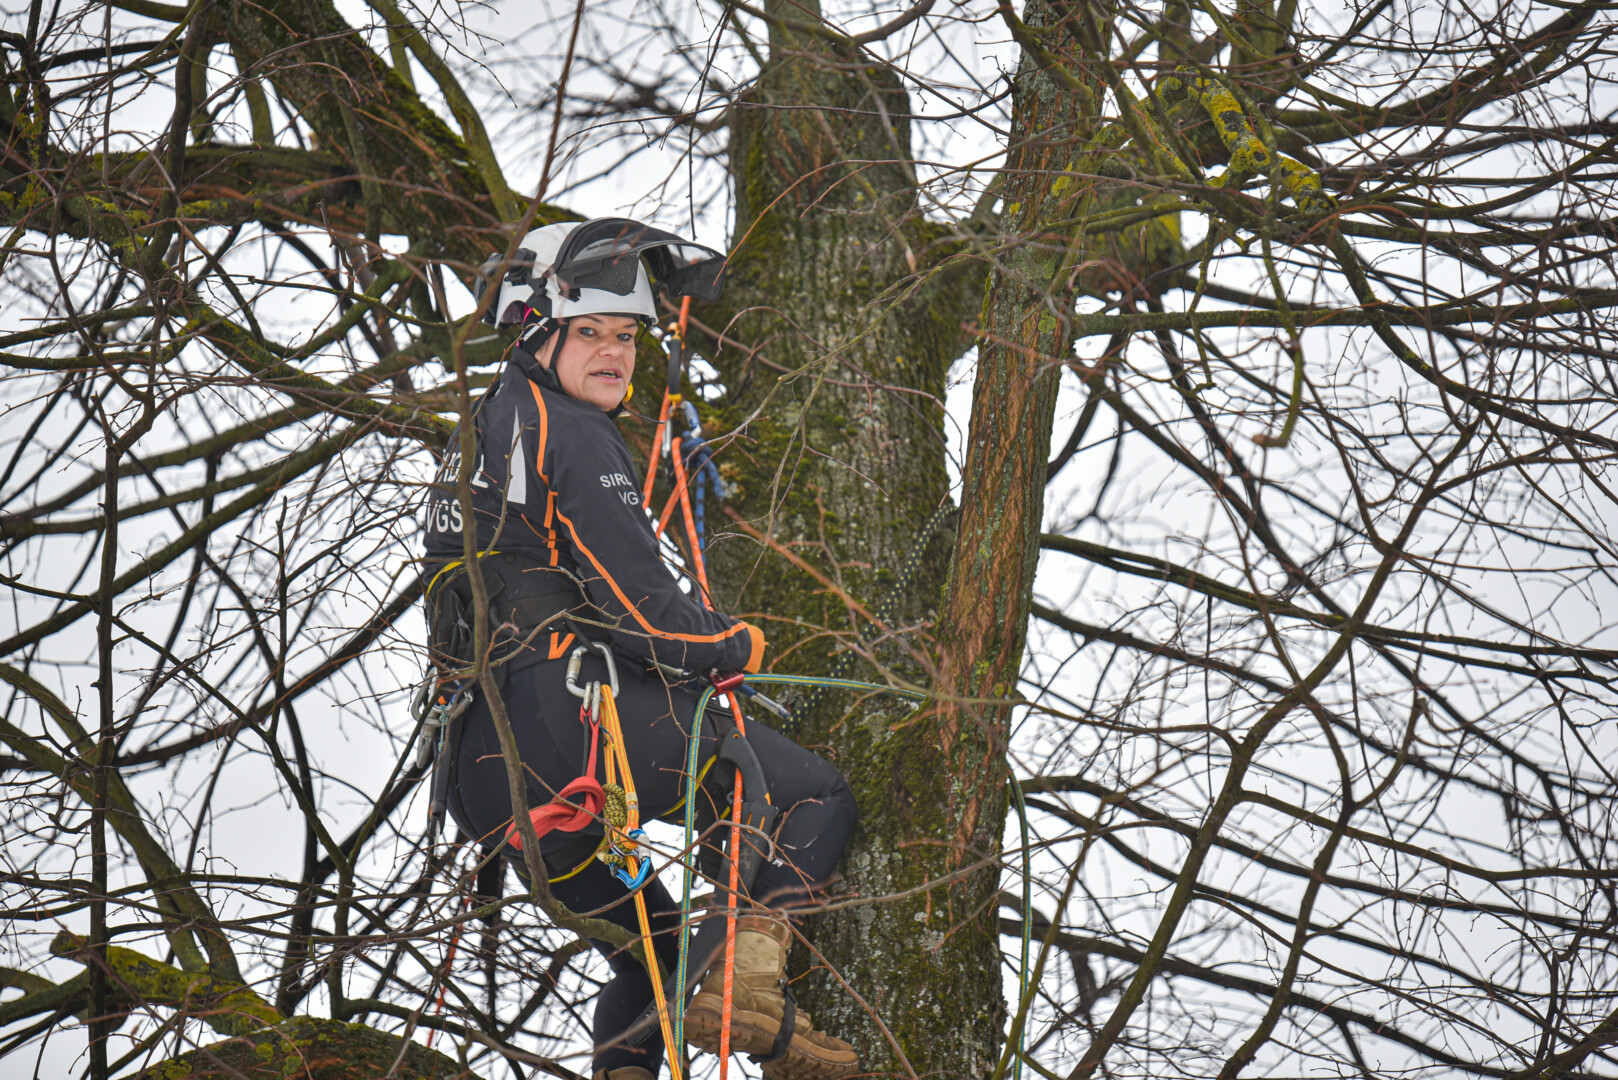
(754, 634)
(701, 639)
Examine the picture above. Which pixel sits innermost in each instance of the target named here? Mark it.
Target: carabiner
(621, 872)
(573, 686)
(612, 666)
(577, 656)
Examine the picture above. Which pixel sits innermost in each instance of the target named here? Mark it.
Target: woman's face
(598, 359)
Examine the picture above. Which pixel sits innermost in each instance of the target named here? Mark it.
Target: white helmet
(595, 268)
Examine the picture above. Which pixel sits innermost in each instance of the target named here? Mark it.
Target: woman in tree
(573, 555)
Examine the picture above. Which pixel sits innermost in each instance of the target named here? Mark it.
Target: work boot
(628, 1072)
(759, 1003)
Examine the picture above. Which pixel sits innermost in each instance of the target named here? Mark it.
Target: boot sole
(754, 1033)
(806, 1061)
(750, 1032)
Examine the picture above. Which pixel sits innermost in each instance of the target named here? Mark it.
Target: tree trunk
(845, 469)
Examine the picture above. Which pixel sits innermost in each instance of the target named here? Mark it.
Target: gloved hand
(755, 659)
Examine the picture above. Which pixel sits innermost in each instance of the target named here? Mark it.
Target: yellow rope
(618, 756)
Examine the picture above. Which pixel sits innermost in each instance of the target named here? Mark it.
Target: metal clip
(435, 718)
(620, 869)
(573, 660)
(577, 657)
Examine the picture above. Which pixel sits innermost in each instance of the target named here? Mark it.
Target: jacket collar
(540, 376)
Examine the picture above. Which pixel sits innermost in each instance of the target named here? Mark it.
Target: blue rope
(681, 968)
(700, 467)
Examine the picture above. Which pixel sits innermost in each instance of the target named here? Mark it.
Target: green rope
(1019, 1034)
(681, 966)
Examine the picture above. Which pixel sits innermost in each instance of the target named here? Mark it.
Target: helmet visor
(605, 254)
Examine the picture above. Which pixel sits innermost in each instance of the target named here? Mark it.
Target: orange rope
(690, 524)
(681, 495)
(663, 417)
(449, 965)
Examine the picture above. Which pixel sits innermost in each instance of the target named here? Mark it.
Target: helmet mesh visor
(616, 276)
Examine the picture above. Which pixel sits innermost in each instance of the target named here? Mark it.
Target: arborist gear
(552, 491)
(700, 467)
(522, 599)
(623, 833)
(520, 605)
(552, 497)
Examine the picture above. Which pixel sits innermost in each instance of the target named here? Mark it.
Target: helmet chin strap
(533, 338)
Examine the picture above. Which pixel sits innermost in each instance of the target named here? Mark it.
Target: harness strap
(783, 1037)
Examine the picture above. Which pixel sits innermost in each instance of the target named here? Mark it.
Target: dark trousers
(816, 805)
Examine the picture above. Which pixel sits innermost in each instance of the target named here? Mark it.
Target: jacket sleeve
(598, 512)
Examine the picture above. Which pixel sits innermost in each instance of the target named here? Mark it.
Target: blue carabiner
(645, 871)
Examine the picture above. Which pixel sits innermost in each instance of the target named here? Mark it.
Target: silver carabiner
(573, 686)
(584, 693)
(606, 654)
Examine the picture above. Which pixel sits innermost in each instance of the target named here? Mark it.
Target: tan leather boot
(628, 1072)
(759, 1004)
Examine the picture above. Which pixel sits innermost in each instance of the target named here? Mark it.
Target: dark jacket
(555, 487)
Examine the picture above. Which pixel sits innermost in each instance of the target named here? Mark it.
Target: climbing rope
(700, 467)
(623, 844)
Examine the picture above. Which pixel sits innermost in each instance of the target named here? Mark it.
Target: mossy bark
(310, 1048)
(417, 174)
(983, 620)
(263, 1045)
